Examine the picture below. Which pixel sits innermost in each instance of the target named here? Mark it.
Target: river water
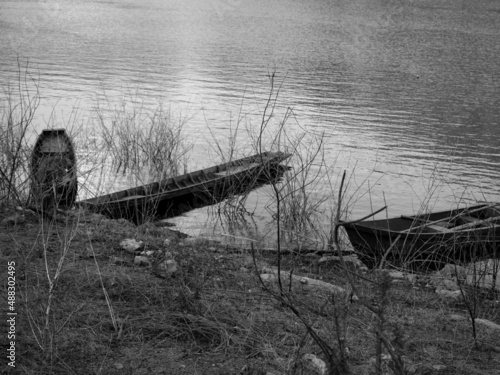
(406, 92)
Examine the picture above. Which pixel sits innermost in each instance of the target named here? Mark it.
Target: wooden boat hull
(174, 196)
(53, 170)
(429, 240)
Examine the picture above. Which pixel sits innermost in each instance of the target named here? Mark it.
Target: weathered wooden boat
(174, 196)
(429, 240)
(53, 170)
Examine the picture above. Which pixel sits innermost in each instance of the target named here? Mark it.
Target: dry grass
(212, 317)
(149, 144)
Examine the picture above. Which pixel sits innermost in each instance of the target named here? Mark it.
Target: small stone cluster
(161, 261)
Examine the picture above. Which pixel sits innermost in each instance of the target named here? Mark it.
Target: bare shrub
(16, 126)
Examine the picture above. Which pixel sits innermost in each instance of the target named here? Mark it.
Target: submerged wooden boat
(174, 196)
(429, 240)
(53, 170)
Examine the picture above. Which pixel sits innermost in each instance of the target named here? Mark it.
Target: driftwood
(271, 274)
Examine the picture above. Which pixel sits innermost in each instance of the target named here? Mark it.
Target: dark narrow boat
(429, 240)
(174, 196)
(53, 170)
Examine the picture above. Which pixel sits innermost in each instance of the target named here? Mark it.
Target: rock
(400, 276)
(396, 275)
(168, 267)
(171, 265)
(315, 364)
(452, 270)
(444, 281)
(15, 219)
(148, 253)
(141, 261)
(131, 246)
(449, 284)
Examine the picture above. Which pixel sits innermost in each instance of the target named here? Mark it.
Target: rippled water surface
(406, 92)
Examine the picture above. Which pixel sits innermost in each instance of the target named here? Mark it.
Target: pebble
(130, 245)
(141, 261)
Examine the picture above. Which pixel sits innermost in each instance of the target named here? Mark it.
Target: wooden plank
(237, 169)
(465, 211)
(129, 198)
(490, 220)
(471, 225)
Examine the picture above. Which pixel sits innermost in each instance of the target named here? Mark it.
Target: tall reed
(149, 144)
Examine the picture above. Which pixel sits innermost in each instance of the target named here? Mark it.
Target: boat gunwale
(372, 226)
(206, 173)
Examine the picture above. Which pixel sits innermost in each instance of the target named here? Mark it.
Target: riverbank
(88, 302)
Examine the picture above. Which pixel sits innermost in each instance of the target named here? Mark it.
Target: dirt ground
(85, 306)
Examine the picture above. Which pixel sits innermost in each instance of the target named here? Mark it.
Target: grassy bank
(85, 307)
